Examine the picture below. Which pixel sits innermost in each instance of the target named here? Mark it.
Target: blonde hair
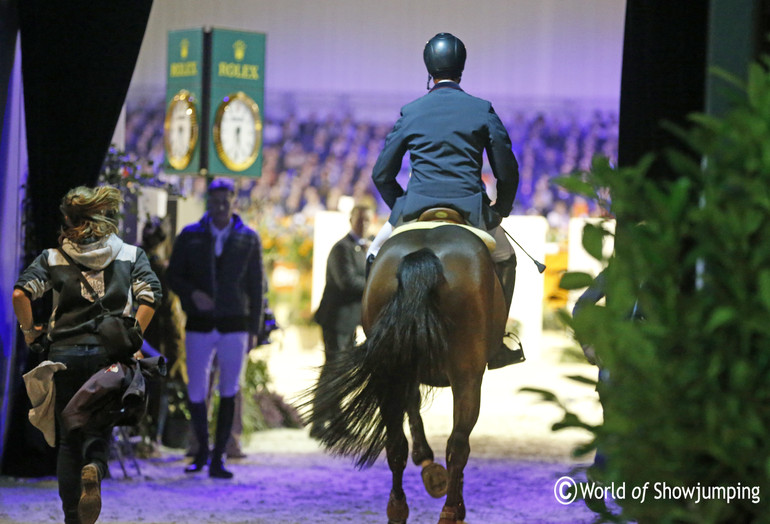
(90, 213)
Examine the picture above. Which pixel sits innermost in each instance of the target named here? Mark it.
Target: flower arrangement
(287, 250)
(287, 242)
(124, 171)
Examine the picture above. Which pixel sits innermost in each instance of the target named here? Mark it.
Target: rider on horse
(446, 133)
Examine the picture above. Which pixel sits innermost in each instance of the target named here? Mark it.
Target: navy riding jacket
(446, 133)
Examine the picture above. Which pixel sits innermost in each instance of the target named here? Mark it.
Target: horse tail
(373, 382)
(410, 333)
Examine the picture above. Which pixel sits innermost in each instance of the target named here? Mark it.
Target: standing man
(216, 270)
(339, 313)
(446, 133)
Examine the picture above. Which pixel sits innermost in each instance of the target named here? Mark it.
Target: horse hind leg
(467, 400)
(434, 476)
(397, 449)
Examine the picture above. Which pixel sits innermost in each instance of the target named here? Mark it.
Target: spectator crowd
(310, 161)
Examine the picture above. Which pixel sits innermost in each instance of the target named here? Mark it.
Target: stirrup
(505, 356)
(516, 341)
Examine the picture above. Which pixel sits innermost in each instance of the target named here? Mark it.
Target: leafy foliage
(261, 408)
(688, 396)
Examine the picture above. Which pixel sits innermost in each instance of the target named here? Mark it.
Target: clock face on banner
(180, 130)
(237, 131)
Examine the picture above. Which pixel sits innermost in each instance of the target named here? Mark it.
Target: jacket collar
(443, 85)
(236, 222)
(355, 238)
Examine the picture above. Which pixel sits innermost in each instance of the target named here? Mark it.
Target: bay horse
(433, 313)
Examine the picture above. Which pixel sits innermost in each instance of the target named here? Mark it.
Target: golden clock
(181, 129)
(237, 131)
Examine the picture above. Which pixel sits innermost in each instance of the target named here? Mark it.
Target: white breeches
(380, 239)
(230, 349)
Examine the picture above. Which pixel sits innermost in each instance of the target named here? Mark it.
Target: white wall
(528, 295)
(330, 226)
(528, 50)
(188, 211)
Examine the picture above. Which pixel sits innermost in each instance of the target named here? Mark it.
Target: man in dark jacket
(446, 133)
(216, 270)
(339, 313)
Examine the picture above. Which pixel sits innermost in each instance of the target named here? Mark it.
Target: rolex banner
(214, 96)
(184, 97)
(236, 100)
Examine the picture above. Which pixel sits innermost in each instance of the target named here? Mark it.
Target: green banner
(184, 118)
(236, 101)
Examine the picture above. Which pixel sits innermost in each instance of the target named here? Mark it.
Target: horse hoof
(450, 515)
(436, 480)
(398, 511)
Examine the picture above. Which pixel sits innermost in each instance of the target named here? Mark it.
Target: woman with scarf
(121, 276)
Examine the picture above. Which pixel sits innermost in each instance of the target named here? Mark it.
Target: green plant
(256, 379)
(688, 399)
(261, 408)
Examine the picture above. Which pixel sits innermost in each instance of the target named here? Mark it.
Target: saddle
(442, 216)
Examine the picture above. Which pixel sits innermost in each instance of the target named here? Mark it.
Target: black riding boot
(224, 427)
(369, 262)
(200, 422)
(506, 271)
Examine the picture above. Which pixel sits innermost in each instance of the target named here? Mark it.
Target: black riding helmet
(444, 56)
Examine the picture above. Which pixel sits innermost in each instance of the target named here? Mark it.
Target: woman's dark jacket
(120, 273)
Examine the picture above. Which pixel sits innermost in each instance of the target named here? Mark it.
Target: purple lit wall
(522, 52)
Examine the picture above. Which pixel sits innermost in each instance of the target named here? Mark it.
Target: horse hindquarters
(408, 336)
(376, 382)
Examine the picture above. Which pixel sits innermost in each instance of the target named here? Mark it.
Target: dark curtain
(9, 25)
(663, 75)
(77, 61)
(663, 79)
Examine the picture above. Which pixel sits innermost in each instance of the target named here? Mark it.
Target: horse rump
(368, 386)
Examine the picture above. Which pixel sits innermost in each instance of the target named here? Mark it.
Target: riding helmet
(444, 56)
